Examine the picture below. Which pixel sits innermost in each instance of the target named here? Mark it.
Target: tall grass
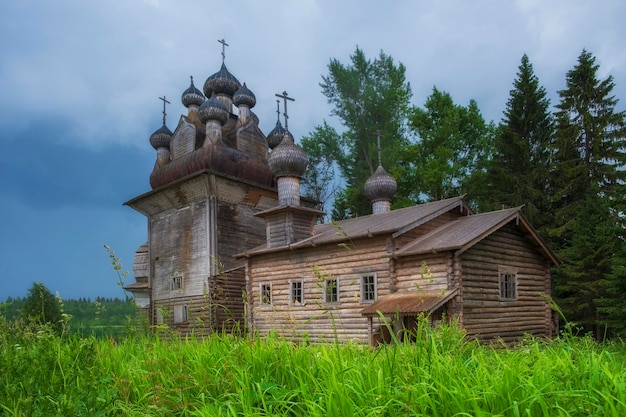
(440, 374)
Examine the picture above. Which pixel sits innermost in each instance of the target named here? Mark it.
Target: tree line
(105, 316)
(564, 165)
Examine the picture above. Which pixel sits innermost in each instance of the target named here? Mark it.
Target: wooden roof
(461, 234)
(395, 222)
(409, 303)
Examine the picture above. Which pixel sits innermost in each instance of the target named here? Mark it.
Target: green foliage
(518, 173)
(453, 142)
(103, 317)
(368, 96)
(588, 194)
(40, 306)
(439, 374)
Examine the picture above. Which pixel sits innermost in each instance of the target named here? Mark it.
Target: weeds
(440, 373)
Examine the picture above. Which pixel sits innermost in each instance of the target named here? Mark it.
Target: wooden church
(233, 247)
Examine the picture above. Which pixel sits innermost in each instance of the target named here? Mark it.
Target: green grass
(441, 374)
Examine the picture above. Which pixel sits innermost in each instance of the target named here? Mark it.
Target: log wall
(485, 315)
(315, 320)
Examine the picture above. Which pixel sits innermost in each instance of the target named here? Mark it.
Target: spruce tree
(518, 172)
(587, 188)
(41, 306)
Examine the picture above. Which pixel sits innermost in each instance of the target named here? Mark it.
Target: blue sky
(80, 81)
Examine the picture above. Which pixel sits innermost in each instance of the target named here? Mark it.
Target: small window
(266, 294)
(368, 288)
(296, 296)
(181, 314)
(176, 282)
(508, 285)
(331, 290)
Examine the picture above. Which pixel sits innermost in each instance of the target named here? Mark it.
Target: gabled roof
(395, 222)
(409, 303)
(463, 233)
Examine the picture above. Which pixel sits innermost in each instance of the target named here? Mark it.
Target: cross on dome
(285, 97)
(164, 102)
(224, 45)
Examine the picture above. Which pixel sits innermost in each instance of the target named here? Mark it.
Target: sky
(80, 83)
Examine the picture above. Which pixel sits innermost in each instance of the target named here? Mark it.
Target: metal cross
(278, 109)
(378, 137)
(224, 45)
(285, 98)
(164, 101)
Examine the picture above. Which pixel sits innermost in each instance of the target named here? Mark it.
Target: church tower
(210, 179)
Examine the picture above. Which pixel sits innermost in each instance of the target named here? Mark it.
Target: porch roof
(409, 303)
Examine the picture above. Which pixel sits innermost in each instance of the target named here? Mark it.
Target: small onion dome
(287, 160)
(275, 137)
(222, 82)
(192, 96)
(213, 109)
(380, 186)
(244, 96)
(161, 137)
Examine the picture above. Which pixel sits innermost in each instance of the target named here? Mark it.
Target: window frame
(181, 314)
(265, 300)
(507, 284)
(292, 290)
(328, 296)
(176, 282)
(364, 291)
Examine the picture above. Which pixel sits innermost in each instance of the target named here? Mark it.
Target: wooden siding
(219, 308)
(315, 320)
(429, 273)
(485, 315)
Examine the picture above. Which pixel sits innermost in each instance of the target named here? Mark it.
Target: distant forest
(102, 317)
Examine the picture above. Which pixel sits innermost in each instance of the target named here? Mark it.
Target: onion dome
(192, 96)
(288, 160)
(275, 137)
(213, 109)
(380, 186)
(222, 82)
(161, 138)
(244, 96)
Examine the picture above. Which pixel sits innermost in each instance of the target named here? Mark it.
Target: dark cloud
(80, 81)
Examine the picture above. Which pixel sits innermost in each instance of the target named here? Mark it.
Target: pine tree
(518, 172)
(588, 193)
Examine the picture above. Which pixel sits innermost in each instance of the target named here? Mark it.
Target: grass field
(441, 374)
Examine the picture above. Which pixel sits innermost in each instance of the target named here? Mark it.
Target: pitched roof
(396, 222)
(462, 233)
(409, 303)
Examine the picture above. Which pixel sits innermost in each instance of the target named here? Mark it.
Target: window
(266, 294)
(181, 314)
(176, 282)
(508, 285)
(331, 290)
(368, 288)
(296, 296)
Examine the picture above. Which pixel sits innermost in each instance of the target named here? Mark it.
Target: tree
(453, 142)
(587, 188)
(319, 181)
(368, 97)
(518, 172)
(40, 306)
